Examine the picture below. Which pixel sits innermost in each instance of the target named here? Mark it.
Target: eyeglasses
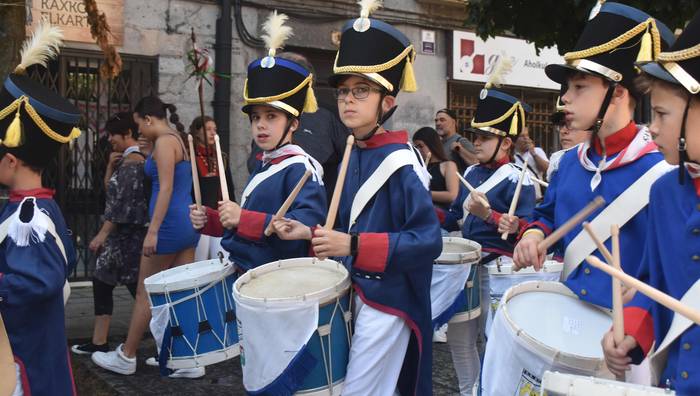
(359, 92)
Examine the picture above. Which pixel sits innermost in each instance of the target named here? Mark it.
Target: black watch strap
(354, 240)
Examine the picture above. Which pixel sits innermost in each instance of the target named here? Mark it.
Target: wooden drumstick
(651, 292)
(8, 372)
(288, 202)
(538, 181)
(599, 244)
(335, 200)
(472, 189)
(618, 318)
(195, 174)
(516, 197)
(570, 224)
(222, 171)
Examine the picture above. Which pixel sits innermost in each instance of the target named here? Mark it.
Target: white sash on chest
(274, 169)
(369, 188)
(679, 324)
(619, 212)
(495, 179)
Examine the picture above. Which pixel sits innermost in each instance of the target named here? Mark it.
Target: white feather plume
(44, 45)
(502, 69)
(367, 7)
(276, 33)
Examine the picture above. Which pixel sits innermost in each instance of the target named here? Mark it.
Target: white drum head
(551, 315)
(549, 266)
(293, 279)
(459, 251)
(188, 276)
(555, 383)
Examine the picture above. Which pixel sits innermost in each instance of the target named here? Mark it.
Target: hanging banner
(71, 17)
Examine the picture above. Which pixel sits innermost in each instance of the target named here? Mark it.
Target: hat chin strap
(381, 119)
(595, 128)
(284, 135)
(495, 152)
(683, 145)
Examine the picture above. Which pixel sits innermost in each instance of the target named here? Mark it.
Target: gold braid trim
(15, 106)
(516, 107)
(281, 96)
(619, 40)
(681, 55)
(375, 68)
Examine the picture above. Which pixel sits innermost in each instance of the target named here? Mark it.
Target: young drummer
(386, 228)
(37, 253)
(672, 248)
(620, 161)
(497, 123)
(276, 92)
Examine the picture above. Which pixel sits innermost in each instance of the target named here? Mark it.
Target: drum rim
(157, 284)
(472, 257)
(205, 359)
(322, 296)
(554, 375)
(569, 359)
(549, 267)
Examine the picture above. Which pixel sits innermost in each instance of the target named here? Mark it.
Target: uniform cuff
(535, 226)
(213, 227)
(640, 325)
(440, 215)
(372, 252)
(251, 225)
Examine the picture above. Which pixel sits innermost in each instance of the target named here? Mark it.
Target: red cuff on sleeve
(372, 252)
(251, 225)
(213, 227)
(440, 215)
(640, 325)
(536, 224)
(495, 218)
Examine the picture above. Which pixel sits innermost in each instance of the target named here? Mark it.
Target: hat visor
(482, 132)
(657, 71)
(559, 73)
(335, 79)
(249, 107)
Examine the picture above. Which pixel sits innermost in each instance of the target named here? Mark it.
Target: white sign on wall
(473, 60)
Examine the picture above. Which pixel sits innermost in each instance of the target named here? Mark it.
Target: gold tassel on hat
(310, 104)
(408, 80)
(74, 134)
(514, 124)
(15, 132)
(645, 54)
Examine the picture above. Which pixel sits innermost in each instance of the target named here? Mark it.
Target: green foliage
(550, 22)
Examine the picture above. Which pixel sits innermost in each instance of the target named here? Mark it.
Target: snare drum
(451, 288)
(559, 384)
(294, 325)
(542, 326)
(502, 277)
(200, 320)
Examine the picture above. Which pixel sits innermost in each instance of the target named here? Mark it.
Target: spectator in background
(120, 239)
(533, 157)
(568, 139)
(444, 185)
(320, 134)
(457, 148)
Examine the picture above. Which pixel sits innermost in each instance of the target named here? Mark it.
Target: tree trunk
(12, 34)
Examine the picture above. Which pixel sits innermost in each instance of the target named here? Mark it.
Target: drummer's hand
(476, 206)
(508, 224)
(616, 356)
(198, 217)
(330, 243)
(290, 230)
(526, 253)
(229, 214)
(150, 243)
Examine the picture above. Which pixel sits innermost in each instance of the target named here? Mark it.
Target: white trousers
(208, 248)
(378, 349)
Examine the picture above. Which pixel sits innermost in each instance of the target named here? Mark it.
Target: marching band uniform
(497, 180)
(605, 170)
(286, 86)
(671, 256)
(397, 237)
(37, 254)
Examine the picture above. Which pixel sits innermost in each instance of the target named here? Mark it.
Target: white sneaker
(191, 373)
(115, 361)
(440, 335)
(152, 361)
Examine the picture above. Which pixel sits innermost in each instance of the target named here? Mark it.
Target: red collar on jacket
(617, 141)
(38, 193)
(497, 163)
(259, 157)
(388, 137)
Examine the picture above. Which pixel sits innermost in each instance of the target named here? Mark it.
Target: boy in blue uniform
(277, 91)
(37, 252)
(672, 249)
(387, 230)
(498, 121)
(620, 161)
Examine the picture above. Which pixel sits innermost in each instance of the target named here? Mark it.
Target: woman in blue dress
(170, 239)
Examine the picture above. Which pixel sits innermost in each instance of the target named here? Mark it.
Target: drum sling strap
(272, 170)
(679, 324)
(619, 212)
(496, 178)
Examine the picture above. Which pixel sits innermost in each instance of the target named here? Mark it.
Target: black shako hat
(34, 120)
(375, 50)
(614, 39)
